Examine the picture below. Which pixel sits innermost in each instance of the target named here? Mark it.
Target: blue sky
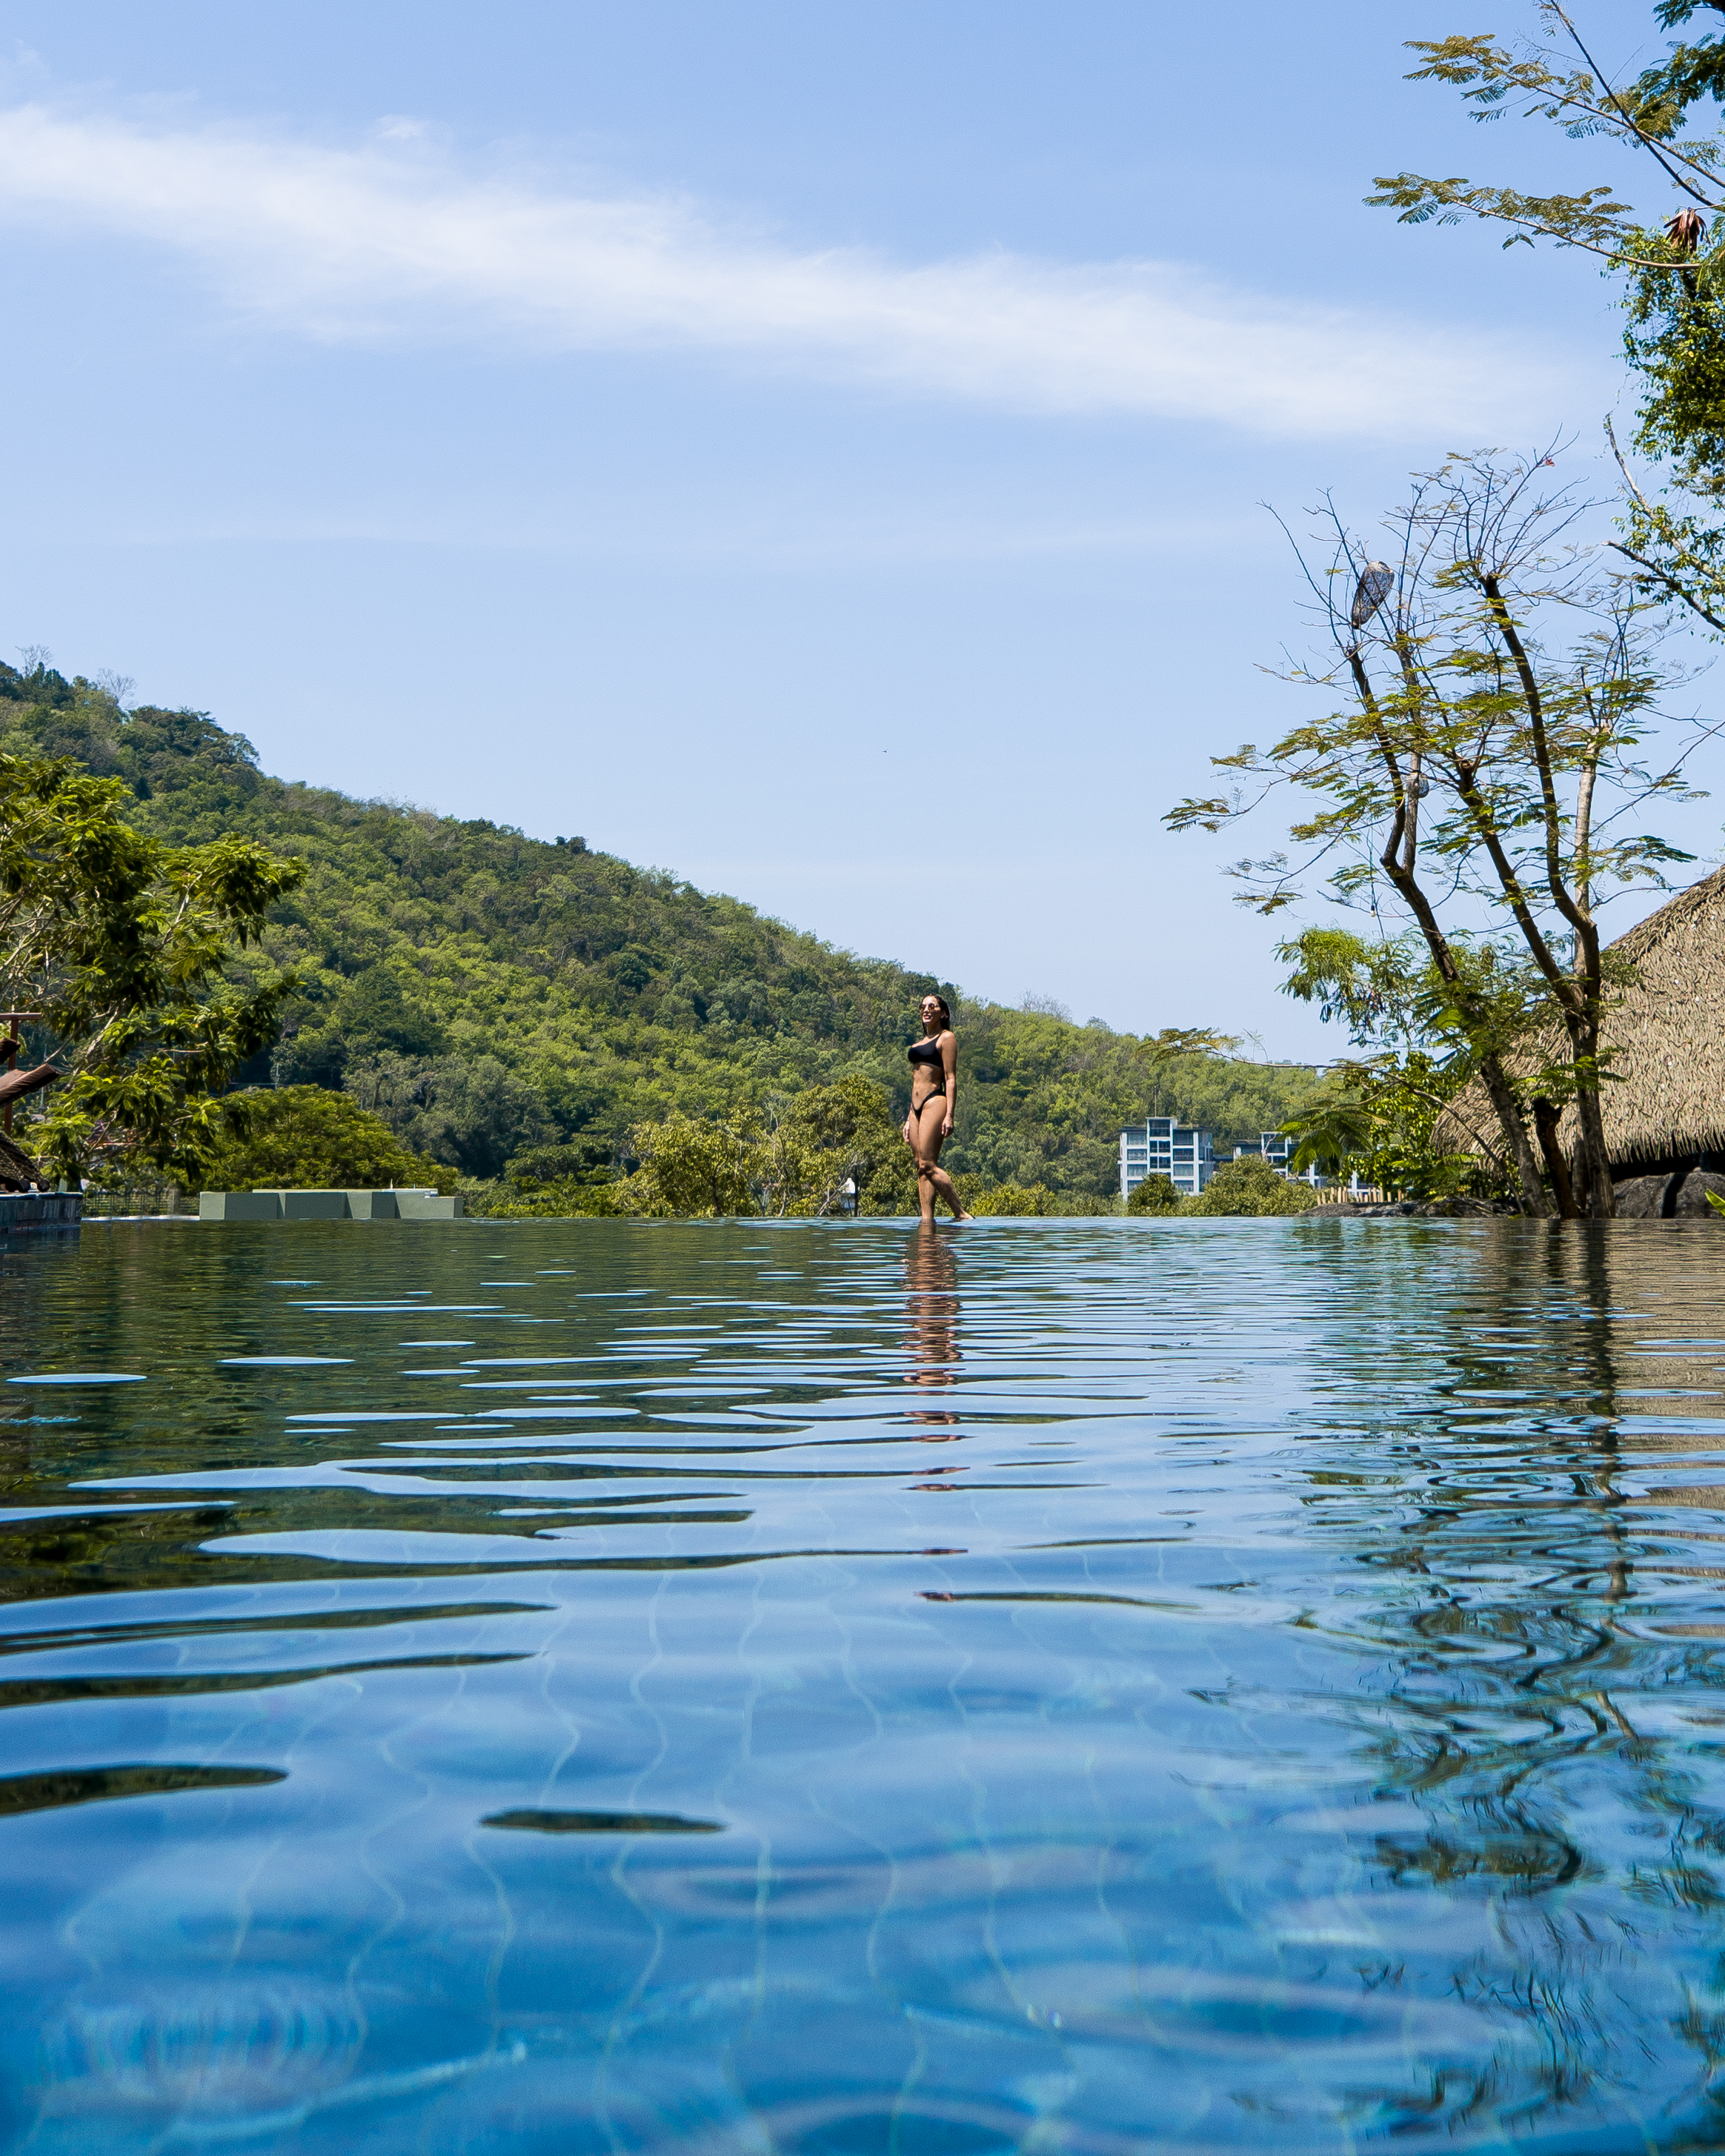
(817, 450)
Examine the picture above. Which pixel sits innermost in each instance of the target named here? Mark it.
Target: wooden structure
(18, 1172)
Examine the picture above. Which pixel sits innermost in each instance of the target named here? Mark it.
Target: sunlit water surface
(821, 1689)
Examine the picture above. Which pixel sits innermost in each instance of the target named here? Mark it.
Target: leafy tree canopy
(120, 944)
(300, 1137)
(1670, 255)
(1156, 1193)
(824, 1145)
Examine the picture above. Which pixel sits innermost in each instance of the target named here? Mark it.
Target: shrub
(567, 1199)
(1014, 1199)
(1251, 1186)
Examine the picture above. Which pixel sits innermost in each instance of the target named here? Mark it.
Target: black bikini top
(924, 1051)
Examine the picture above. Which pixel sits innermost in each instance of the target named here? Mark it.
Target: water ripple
(1286, 1713)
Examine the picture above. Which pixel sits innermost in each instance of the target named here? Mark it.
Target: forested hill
(487, 992)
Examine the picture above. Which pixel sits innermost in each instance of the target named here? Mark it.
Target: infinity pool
(826, 1690)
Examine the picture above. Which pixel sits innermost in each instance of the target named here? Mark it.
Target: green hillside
(486, 993)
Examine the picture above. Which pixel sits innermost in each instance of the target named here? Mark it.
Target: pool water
(825, 1689)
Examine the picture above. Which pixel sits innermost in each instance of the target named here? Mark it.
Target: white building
(1162, 1147)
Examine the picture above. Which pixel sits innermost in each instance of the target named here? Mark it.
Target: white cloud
(394, 241)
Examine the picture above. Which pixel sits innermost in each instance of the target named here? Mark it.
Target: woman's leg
(931, 1176)
(949, 1189)
(927, 1147)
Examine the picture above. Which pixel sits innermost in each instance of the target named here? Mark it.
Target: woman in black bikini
(934, 1092)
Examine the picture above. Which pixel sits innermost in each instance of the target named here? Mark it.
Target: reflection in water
(1561, 1759)
(89, 1785)
(1300, 1725)
(931, 1319)
(543, 1822)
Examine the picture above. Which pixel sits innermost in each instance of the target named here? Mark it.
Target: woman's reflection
(931, 1309)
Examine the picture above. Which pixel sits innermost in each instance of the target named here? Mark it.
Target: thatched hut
(1663, 1104)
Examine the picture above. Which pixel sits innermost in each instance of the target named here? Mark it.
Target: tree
(1377, 1114)
(300, 1137)
(1672, 264)
(794, 1165)
(830, 1135)
(552, 1181)
(1542, 79)
(1015, 1201)
(474, 1113)
(371, 1019)
(693, 1168)
(1377, 1120)
(1156, 1193)
(585, 1161)
(122, 945)
(1495, 674)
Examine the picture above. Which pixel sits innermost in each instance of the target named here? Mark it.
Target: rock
(1692, 1198)
(1642, 1197)
(1465, 1209)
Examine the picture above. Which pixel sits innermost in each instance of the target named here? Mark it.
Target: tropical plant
(1377, 1120)
(1337, 1132)
(121, 947)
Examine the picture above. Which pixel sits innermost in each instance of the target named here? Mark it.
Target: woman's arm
(949, 1063)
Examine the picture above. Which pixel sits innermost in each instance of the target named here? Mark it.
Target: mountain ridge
(487, 992)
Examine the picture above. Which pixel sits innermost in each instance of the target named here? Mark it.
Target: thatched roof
(1665, 1097)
